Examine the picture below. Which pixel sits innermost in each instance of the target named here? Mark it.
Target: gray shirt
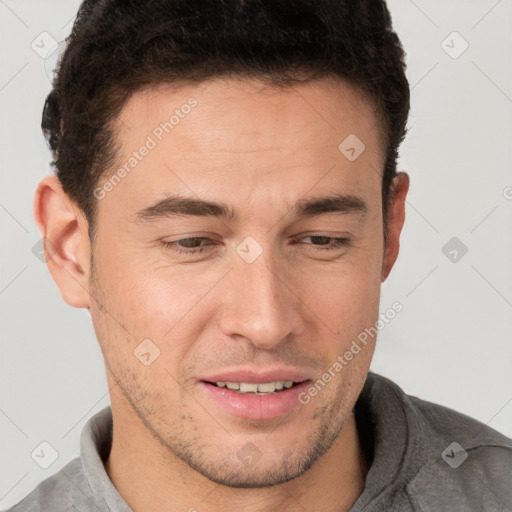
(424, 458)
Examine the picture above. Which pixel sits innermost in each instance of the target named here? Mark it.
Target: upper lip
(253, 376)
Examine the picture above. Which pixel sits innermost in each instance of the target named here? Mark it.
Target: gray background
(451, 344)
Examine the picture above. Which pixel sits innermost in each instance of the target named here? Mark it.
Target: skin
(259, 150)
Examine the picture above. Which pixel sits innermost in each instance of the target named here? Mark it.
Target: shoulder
(455, 460)
(64, 491)
(445, 423)
(437, 423)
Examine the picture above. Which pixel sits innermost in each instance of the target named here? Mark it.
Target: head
(226, 190)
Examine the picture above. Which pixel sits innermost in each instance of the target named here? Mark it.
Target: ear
(66, 240)
(396, 218)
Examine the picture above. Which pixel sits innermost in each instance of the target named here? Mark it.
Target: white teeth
(267, 387)
(248, 388)
(264, 387)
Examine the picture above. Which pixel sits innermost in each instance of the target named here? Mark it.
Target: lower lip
(253, 406)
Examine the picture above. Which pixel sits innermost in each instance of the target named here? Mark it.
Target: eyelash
(172, 246)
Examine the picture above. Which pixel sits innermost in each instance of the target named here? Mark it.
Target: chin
(247, 478)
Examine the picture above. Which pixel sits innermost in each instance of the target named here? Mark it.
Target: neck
(149, 477)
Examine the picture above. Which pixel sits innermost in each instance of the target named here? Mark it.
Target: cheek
(347, 294)
(348, 303)
(130, 327)
(163, 301)
(158, 302)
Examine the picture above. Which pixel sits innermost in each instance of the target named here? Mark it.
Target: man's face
(262, 297)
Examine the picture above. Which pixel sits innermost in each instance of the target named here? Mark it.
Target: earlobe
(396, 218)
(66, 242)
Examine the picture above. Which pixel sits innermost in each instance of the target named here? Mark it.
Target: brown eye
(326, 242)
(186, 245)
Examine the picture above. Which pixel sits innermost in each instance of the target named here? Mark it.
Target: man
(227, 205)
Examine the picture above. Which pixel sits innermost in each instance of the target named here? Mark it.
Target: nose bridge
(259, 305)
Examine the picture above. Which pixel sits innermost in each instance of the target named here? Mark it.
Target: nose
(259, 303)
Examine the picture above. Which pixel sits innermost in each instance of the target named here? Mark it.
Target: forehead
(241, 138)
(249, 113)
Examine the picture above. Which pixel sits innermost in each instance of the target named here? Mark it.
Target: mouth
(255, 400)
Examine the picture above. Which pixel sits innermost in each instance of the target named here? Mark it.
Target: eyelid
(334, 244)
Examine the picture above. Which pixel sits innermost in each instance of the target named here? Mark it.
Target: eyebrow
(172, 206)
